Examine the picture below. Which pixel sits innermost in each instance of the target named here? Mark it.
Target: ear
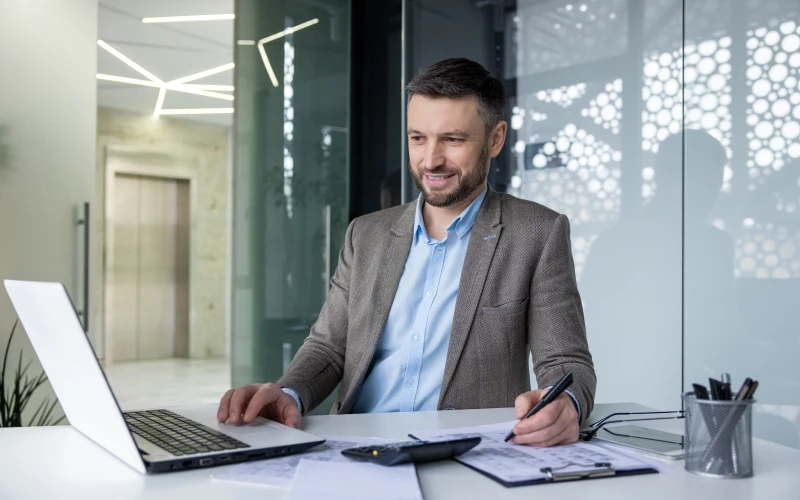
(498, 138)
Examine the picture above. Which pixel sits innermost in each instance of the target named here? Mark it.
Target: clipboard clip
(602, 469)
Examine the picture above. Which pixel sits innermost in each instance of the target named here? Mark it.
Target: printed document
(513, 463)
(280, 471)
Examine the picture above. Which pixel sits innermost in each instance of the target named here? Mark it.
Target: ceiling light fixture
(202, 86)
(123, 79)
(184, 19)
(187, 88)
(119, 55)
(197, 111)
(194, 90)
(270, 38)
(159, 101)
(203, 74)
(178, 85)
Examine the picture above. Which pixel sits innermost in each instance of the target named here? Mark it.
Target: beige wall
(203, 149)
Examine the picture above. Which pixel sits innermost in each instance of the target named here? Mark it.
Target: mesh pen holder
(719, 439)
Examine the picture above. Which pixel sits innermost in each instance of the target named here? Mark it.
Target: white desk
(58, 462)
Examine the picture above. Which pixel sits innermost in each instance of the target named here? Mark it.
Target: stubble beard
(466, 184)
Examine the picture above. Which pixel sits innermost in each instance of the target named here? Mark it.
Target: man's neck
(437, 219)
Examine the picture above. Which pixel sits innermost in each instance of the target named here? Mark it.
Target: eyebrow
(453, 133)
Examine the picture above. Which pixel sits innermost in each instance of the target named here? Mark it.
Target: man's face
(449, 149)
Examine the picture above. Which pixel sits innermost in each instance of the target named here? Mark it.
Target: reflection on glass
(596, 87)
(391, 190)
(676, 155)
(290, 188)
(743, 81)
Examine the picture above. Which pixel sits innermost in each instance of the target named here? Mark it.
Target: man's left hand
(556, 423)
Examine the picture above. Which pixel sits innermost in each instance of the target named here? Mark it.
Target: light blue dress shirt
(408, 365)
(407, 368)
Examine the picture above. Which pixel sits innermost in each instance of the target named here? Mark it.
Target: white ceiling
(169, 51)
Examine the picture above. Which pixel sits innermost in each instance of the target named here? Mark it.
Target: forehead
(442, 113)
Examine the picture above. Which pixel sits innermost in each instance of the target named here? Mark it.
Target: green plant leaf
(46, 417)
(5, 406)
(17, 391)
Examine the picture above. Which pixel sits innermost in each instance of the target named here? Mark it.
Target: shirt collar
(462, 224)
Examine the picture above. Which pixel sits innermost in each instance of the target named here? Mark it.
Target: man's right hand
(244, 404)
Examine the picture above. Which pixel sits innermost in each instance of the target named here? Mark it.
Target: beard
(467, 184)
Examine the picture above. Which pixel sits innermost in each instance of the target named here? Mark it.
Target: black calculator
(413, 451)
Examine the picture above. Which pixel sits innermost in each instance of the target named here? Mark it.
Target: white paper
(280, 471)
(654, 462)
(354, 481)
(511, 462)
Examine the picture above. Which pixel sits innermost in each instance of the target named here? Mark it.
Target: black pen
(725, 387)
(552, 394)
(700, 392)
(742, 394)
(714, 387)
(752, 391)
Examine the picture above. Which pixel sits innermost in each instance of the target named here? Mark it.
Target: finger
(543, 438)
(542, 419)
(239, 400)
(291, 414)
(567, 435)
(547, 433)
(526, 401)
(551, 429)
(266, 395)
(224, 404)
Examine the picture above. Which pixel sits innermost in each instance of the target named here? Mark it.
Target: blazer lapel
(383, 291)
(482, 244)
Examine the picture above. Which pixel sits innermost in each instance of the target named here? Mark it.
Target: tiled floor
(169, 382)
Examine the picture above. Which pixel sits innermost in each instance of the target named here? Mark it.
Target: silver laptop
(150, 440)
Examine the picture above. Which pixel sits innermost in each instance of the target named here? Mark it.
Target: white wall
(47, 109)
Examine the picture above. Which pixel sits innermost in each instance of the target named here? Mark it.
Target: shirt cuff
(574, 400)
(300, 404)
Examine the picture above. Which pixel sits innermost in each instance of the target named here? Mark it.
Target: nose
(434, 156)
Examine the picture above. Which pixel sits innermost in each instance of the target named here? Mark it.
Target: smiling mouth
(439, 177)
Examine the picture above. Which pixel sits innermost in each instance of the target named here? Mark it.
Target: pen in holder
(719, 439)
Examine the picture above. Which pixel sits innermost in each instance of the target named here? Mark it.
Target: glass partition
(669, 133)
(742, 199)
(291, 175)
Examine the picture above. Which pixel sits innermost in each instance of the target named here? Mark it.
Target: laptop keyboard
(178, 435)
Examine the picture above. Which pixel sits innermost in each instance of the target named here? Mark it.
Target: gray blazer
(517, 293)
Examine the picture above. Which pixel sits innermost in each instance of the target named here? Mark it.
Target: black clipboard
(606, 470)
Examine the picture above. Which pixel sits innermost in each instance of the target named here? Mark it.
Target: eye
(454, 140)
(416, 138)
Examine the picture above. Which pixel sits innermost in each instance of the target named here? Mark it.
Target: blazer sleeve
(556, 326)
(319, 363)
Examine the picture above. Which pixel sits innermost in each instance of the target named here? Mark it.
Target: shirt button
(416, 337)
(440, 248)
(429, 293)
(410, 381)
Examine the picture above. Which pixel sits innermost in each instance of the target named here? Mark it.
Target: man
(436, 304)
